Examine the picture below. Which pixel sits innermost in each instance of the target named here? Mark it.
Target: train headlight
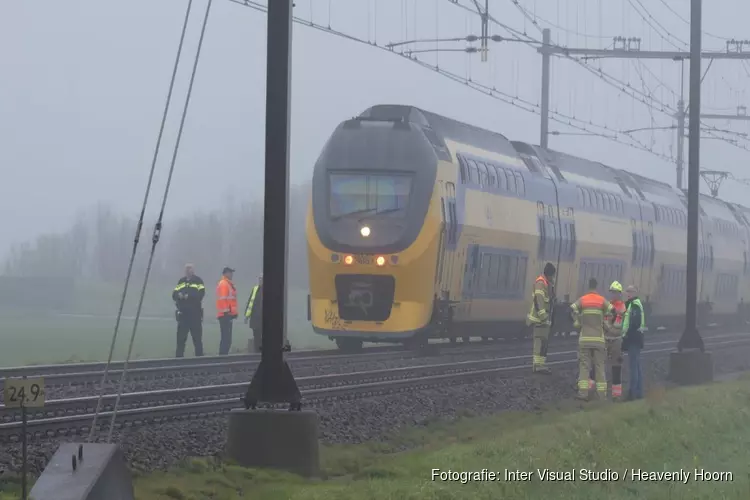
(365, 231)
(348, 260)
(380, 260)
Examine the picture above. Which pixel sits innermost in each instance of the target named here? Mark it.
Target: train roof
(446, 127)
(579, 171)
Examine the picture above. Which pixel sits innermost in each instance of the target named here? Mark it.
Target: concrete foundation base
(691, 367)
(286, 440)
(85, 471)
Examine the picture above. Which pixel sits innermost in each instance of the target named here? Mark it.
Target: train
(420, 226)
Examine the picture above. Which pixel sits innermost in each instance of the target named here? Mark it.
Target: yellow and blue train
(420, 226)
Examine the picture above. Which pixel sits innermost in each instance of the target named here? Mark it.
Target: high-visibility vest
(249, 308)
(226, 298)
(591, 309)
(539, 314)
(626, 319)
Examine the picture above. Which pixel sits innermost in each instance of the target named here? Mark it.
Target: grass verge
(85, 334)
(704, 428)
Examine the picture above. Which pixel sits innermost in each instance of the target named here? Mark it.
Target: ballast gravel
(354, 421)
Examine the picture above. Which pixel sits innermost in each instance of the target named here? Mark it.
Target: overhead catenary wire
(606, 132)
(139, 227)
(158, 225)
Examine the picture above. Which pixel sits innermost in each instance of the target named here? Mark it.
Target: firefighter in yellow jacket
(613, 337)
(540, 317)
(589, 312)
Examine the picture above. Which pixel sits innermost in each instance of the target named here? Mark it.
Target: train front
(372, 242)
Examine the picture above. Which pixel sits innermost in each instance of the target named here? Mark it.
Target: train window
(511, 180)
(512, 272)
(473, 172)
(442, 208)
(492, 171)
(522, 262)
(580, 197)
(635, 248)
(502, 280)
(484, 270)
(520, 184)
(502, 182)
(494, 272)
(482, 168)
(462, 168)
(599, 201)
(589, 197)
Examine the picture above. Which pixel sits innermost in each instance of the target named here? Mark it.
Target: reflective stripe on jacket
(540, 303)
(626, 319)
(589, 312)
(250, 302)
(226, 298)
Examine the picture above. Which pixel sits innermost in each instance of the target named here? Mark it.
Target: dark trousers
(635, 387)
(189, 323)
(225, 327)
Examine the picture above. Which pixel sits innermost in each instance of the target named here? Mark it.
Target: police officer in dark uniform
(188, 298)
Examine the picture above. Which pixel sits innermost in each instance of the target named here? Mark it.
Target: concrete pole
(691, 339)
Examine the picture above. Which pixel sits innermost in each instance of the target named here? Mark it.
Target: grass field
(85, 332)
(698, 428)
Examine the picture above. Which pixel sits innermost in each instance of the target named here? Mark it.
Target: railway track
(74, 415)
(69, 374)
(150, 369)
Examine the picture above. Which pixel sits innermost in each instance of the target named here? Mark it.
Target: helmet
(615, 287)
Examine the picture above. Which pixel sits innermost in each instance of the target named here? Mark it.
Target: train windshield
(369, 194)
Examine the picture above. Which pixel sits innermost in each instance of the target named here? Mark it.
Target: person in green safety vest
(254, 315)
(633, 327)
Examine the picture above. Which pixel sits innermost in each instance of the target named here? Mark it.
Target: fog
(84, 85)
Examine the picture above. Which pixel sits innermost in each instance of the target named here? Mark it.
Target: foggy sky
(84, 82)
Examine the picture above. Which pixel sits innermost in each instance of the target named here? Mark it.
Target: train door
(448, 251)
(636, 266)
(649, 256)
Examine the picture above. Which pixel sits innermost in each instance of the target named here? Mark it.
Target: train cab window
(374, 193)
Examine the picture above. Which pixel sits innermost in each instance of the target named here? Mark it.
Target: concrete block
(691, 367)
(286, 440)
(101, 474)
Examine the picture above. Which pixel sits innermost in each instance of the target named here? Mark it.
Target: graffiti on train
(332, 319)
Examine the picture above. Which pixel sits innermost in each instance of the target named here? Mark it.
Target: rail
(219, 399)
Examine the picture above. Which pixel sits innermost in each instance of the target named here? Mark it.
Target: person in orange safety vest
(226, 308)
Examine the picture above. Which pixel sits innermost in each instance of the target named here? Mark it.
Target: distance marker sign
(26, 392)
